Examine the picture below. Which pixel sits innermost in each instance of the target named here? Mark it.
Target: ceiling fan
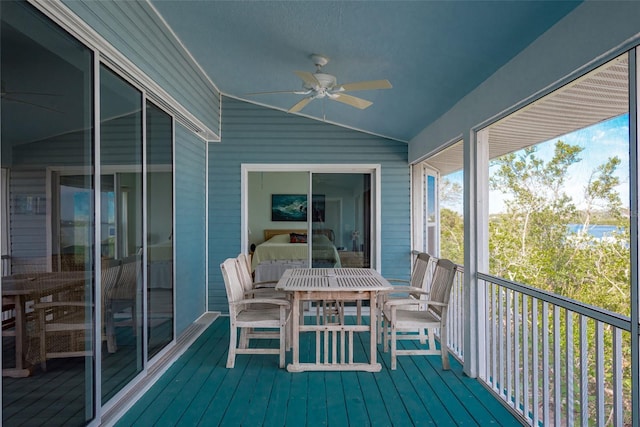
(320, 85)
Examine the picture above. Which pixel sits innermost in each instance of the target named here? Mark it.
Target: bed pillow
(297, 238)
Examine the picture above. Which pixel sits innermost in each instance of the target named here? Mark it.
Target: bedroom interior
(278, 220)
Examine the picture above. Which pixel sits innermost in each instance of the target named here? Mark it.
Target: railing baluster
(508, 339)
(584, 376)
(500, 340)
(600, 380)
(535, 361)
(618, 415)
(526, 389)
(557, 367)
(545, 363)
(569, 364)
(516, 348)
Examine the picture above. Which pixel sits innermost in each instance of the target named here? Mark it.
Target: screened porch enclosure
(550, 325)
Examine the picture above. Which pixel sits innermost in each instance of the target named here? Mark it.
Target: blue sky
(599, 142)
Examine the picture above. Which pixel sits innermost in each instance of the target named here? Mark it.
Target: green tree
(530, 242)
(451, 221)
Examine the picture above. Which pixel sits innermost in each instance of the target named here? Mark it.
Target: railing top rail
(615, 319)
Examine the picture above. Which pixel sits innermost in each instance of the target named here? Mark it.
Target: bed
(278, 253)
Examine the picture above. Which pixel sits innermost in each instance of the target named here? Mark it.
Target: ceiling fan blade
(308, 78)
(351, 100)
(368, 85)
(300, 105)
(297, 92)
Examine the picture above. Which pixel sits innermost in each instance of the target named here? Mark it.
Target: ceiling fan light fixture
(322, 85)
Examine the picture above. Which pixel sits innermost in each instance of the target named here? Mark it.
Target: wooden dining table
(18, 291)
(334, 349)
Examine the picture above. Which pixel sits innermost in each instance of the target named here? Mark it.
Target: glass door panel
(341, 219)
(277, 212)
(160, 285)
(121, 157)
(48, 249)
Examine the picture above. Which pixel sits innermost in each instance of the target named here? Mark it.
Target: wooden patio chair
(109, 279)
(402, 316)
(245, 261)
(421, 277)
(64, 321)
(123, 297)
(243, 314)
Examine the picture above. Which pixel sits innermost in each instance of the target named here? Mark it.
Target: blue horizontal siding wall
(135, 30)
(190, 227)
(254, 134)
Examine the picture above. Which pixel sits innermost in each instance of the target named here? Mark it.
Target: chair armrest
(398, 280)
(273, 301)
(60, 304)
(265, 284)
(263, 291)
(403, 301)
(411, 301)
(399, 289)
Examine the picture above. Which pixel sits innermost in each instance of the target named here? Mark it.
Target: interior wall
(582, 37)
(261, 186)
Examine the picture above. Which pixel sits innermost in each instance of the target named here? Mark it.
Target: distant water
(597, 231)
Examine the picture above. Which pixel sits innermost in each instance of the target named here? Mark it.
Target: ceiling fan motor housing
(326, 81)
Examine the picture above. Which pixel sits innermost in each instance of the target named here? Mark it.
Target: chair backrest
(420, 267)
(128, 280)
(244, 272)
(109, 277)
(247, 261)
(443, 276)
(232, 284)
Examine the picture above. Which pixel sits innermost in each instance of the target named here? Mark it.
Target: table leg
(19, 371)
(296, 307)
(373, 338)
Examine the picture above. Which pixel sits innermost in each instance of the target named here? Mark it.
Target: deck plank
(199, 390)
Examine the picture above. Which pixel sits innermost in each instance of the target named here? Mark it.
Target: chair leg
(244, 337)
(43, 343)
(233, 333)
(444, 349)
(385, 333)
(283, 334)
(394, 342)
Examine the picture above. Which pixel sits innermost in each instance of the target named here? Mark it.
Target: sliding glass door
(159, 186)
(121, 233)
(48, 233)
(319, 218)
(341, 219)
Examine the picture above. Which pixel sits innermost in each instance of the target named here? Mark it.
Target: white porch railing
(555, 361)
(456, 316)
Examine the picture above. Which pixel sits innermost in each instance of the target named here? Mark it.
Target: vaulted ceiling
(432, 52)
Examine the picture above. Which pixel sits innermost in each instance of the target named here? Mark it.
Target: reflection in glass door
(121, 277)
(48, 352)
(341, 219)
(159, 229)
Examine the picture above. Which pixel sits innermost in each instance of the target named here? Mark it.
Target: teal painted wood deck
(199, 390)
